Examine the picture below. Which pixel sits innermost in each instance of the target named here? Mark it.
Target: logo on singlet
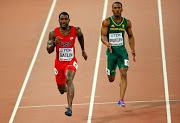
(123, 26)
(66, 44)
(112, 26)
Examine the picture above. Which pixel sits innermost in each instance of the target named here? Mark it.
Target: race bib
(75, 65)
(66, 54)
(107, 71)
(56, 72)
(126, 62)
(116, 39)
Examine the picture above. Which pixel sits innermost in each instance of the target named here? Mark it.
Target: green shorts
(118, 57)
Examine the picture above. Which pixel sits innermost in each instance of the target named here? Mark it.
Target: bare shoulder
(52, 34)
(78, 28)
(129, 25)
(106, 22)
(78, 31)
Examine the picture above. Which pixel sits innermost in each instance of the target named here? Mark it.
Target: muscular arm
(80, 37)
(50, 43)
(104, 31)
(131, 38)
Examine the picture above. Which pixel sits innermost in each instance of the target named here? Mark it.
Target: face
(117, 9)
(64, 21)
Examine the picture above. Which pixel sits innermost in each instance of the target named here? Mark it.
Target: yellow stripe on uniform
(115, 22)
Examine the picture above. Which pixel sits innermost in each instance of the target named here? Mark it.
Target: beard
(64, 26)
(117, 16)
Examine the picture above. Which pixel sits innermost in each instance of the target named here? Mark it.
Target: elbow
(101, 38)
(48, 50)
(131, 37)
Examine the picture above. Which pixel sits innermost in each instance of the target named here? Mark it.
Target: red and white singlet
(65, 55)
(65, 51)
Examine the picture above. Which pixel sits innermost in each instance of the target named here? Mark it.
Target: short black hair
(63, 13)
(117, 3)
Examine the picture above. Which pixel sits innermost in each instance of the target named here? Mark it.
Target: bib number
(116, 39)
(66, 54)
(75, 65)
(126, 62)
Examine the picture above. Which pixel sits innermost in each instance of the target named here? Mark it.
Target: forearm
(50, 46)
(81, 42)
(104, 40)
(132, 43)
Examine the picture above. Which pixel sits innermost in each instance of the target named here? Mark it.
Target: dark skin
(65, 30)
(117, 10)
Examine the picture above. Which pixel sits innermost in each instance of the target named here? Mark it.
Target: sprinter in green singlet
(112, 35)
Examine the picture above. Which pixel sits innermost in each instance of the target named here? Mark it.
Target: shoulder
(52, 33)
(77, 28)
(106, 22)
(129, 24)
(78, 31)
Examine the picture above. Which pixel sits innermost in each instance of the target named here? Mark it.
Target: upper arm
(104, 28)
(129, 28)
(52, 36)
(78, 32)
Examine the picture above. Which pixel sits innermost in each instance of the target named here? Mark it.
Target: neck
(118, 19)
(64, 28)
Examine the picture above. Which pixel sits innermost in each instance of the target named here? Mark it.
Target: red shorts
(60, 68)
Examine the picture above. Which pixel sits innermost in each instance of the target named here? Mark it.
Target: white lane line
(32, 62)
(103, 103)
(96, 68)
(164, 64)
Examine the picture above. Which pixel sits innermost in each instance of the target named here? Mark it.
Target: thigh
(60, 77)
(69, 75)
(62, 88)
(111, 64)
(123, 60)
(59, 73)
(71, 65)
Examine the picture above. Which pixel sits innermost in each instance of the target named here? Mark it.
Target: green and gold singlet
(115, 36)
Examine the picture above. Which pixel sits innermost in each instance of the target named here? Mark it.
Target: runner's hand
(109, 46)
(57, 40)
(134, 54)
(84, 55)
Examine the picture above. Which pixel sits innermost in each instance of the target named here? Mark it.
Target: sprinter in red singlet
(63, 39)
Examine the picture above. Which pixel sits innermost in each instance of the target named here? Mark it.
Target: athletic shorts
(118, 57)
(60, 68)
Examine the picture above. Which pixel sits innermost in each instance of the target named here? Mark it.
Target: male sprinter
(63, 39)
(112, 35)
